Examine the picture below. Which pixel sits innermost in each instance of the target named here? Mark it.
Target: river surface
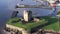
(8, 6)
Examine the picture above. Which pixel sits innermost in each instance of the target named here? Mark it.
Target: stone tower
(27, 15)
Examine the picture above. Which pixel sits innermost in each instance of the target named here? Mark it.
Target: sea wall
(16, 29)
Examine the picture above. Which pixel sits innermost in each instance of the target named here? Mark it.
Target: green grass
(54, 27)
(26, 26)
(53, 23)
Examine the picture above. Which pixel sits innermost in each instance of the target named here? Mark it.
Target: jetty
(32, 6)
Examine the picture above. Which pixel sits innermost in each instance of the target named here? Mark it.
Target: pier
(33, 6)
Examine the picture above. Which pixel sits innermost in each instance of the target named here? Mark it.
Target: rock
(48, 33)
(12, 32)
(23, 21)
(59, 32)
(36, 19)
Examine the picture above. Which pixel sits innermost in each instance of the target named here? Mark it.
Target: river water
(8, 6)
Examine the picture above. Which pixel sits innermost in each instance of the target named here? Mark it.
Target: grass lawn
(26, 26)
(52, 23)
